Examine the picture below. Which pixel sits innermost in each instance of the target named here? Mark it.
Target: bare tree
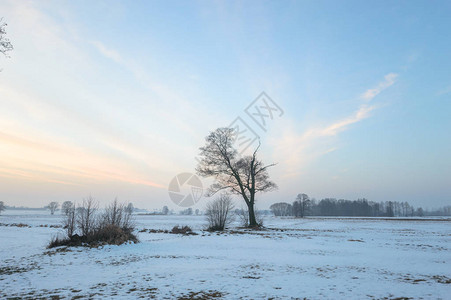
(66, 207)
(301, 205)
(219, 212)
(53, 206)
(281, 209)
(2, 206)
(243, 176)
(129, 208)
(70, 218)
(5, 44)
(118, 214)
(114, 213)
(86, 218)
(420, 212)
(187, 212)
(165, 210)
(127, 222)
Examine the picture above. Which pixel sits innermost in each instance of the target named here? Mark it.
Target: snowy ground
(315, 258)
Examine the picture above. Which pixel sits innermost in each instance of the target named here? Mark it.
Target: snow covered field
(315, 258)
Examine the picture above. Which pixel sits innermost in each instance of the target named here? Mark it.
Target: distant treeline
(24, 208)
(303, 206)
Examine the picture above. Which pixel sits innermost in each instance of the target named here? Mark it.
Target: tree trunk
(252, 220)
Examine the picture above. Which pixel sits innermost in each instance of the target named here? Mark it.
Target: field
(313, 258)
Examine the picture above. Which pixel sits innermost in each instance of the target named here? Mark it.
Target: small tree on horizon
(165, 210)
(2, 206)
(66, 207)
(53, 206)
(245, 176)
(301, 205)
(129, 209)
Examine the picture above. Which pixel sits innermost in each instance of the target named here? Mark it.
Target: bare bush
(113, 214)
(2, 206)
(259, 216)
(182, 230)
(118, 214)
(219, 212)
(114, 226)
(243, 216)
(70, 221)
(108, 235)
(86, 216)
(128, 223)
(111, 235)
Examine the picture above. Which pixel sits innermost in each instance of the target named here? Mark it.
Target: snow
(327, 258)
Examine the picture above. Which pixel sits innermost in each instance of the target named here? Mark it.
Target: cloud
(371, 93)
(335, 128)
(295, 150)
(108, 53)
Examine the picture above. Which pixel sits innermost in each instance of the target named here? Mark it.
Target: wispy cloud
(389, 81)
(444, 91)
(294, 149)
(108, 53)
(340, 125)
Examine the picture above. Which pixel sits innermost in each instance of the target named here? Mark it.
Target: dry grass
(108, 235)
(201, 295)
(186, 230)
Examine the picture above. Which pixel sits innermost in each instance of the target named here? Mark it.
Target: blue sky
(114, 98)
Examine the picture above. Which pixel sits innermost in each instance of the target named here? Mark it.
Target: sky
(114, 98)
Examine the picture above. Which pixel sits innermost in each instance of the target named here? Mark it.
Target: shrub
(182, 230)
(57, 241)
(218, 213)
(85, 227)
(86, 216)
(119, 215)
(69, 223)
(111, 235)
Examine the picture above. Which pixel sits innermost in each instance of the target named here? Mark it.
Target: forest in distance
(304, 206)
